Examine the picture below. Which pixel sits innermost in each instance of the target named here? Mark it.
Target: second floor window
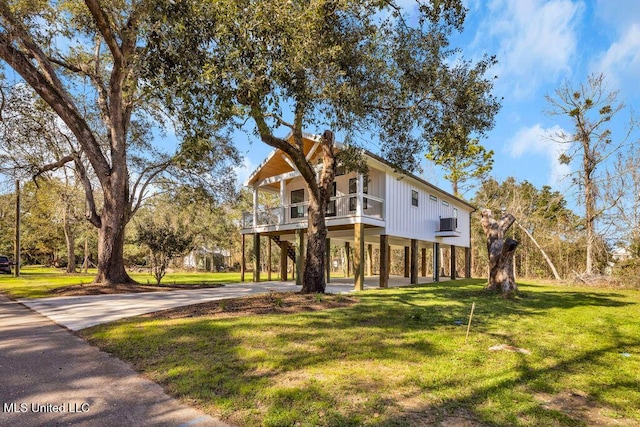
(297, 209)
(331, 206)
(353, 189)
(414, 198)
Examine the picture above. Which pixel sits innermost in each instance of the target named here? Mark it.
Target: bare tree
(590, 108)
(621, 192)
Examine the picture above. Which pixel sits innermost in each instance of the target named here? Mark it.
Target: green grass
(399, 358)
(37, 282)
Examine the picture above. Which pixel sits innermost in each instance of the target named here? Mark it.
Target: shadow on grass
(522, 387)
(329, 368)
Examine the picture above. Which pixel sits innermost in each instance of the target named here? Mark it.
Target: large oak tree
(83, 59)
(370, 70)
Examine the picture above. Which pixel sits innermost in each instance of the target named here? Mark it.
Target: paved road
(50, 377)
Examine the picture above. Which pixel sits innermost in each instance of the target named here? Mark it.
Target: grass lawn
(38, 282)
(398, 357)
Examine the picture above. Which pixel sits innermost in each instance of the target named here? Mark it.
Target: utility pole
(17, 247)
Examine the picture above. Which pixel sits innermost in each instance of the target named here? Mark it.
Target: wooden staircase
(291, 252)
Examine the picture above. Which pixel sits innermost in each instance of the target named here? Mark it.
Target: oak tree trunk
(500, 250)
(111, 270)
(85, 262)
(314, 280)
(116, 95)
(71, 247)
(69, 239)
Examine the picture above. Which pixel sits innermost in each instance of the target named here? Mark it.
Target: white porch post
(255, 206)
(283, 194)
(360, 187)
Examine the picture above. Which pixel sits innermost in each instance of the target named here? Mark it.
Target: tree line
(55, 234)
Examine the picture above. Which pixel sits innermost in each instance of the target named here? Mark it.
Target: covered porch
(368, 257)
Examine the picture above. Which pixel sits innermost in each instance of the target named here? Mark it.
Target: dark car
(5, 264)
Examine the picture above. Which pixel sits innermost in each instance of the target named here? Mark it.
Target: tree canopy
(83, 59)
(473, 163)
(372, 70)
(369, 69)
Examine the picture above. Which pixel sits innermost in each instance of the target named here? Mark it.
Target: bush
(626, 273)
(165, 241)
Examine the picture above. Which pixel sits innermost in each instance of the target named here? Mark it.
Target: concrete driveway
(81, 312)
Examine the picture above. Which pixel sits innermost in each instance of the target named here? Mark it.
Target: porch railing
(338, 207)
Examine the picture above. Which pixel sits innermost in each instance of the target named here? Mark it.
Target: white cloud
(537, 141)
(537, 40)
(621, 62)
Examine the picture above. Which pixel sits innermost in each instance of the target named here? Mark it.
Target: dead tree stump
(501, 276)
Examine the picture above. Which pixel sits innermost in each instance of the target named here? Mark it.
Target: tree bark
(501, 274)
(70, 241)
(314, 278)
(111, 270)
(85, 263)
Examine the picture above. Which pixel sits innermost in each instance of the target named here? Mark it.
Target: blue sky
(539, 44)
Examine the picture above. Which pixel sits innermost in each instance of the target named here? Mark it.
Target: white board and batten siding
(422, 222)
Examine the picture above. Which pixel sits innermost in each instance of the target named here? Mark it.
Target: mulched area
(272, 303)
(93, 289)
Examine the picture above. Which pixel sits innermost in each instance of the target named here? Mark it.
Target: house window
(455, 212)
(414, 198)
(331, 206)
(365, 190)
(297, 197)
(433, 198)
(353, 189)
(445, 203)
(353, 185)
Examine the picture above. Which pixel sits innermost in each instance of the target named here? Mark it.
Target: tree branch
(279, 120)
(56, 165)
(153, 171)
(91, 213)
(49, 87)
(505, 222)
(104, 26)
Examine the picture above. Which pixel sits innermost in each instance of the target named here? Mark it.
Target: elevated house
(384, 209)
